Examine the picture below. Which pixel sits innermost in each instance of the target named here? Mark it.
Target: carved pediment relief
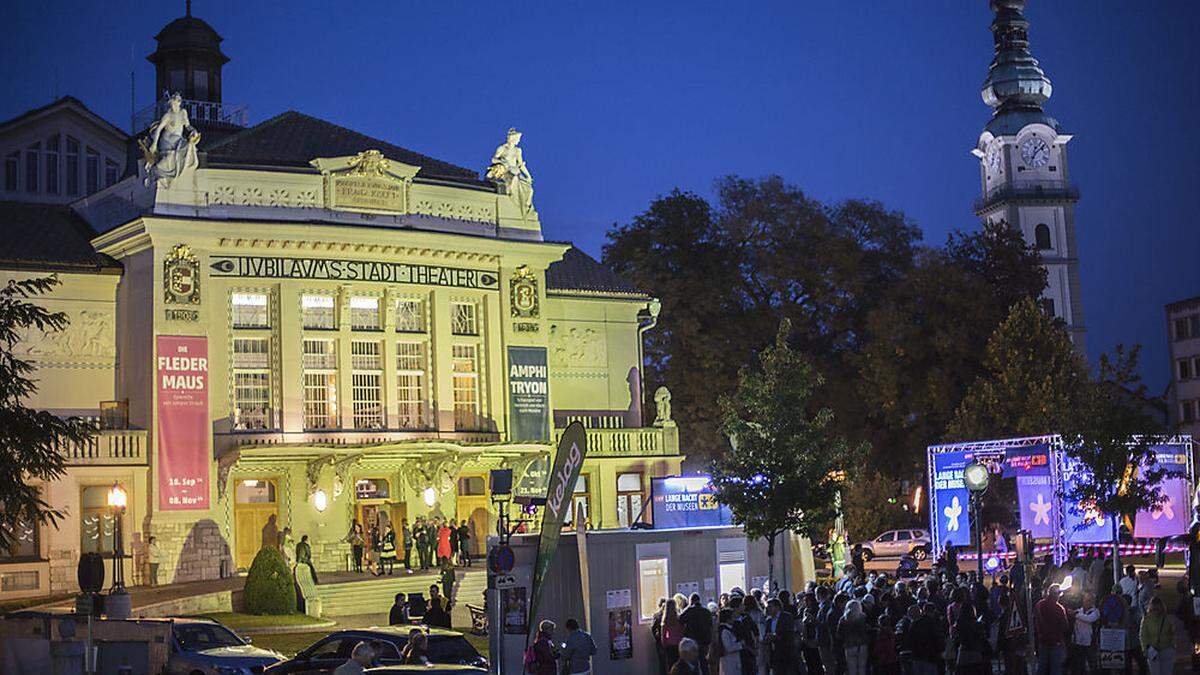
(368, 181)
(90, 336)
(577, 347)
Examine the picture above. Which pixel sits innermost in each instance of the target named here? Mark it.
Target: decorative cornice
(360, 247)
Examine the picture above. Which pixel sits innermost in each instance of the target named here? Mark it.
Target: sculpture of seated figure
(508, 168)
(171, 151)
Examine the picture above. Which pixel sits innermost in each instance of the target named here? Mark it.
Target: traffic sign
(506, 581)
(501, 559)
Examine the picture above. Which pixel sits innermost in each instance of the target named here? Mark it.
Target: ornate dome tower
(1023, 165)
(189, 59)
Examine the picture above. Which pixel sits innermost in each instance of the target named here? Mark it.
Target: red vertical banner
(183, 425)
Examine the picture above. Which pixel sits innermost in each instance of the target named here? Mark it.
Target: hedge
(269, 587)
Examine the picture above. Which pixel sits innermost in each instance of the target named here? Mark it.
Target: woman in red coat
(443, 546)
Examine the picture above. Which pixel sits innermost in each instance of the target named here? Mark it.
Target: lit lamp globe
(119, 605)
(976, 477)
(430, 496)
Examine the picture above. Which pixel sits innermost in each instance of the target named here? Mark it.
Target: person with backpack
(727, 647)
(541, 657)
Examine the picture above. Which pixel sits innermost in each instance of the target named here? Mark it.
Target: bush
(269, 588)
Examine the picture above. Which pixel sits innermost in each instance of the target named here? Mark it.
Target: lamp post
(118, 604)
(976, 477)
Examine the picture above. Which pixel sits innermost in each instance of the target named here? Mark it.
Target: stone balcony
(109, 447)
(631, 442)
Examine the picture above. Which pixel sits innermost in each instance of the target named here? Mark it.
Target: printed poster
(1174, 514)
(528, 394)
(949, 516)
(620, 624)
(184, 452)
(515, 610)
(1112, 648)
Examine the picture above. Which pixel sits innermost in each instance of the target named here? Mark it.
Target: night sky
(621, 102)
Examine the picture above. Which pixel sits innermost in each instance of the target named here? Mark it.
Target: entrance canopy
(1044, 473)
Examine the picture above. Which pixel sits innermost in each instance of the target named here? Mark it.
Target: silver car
(205, 647)
(895, 543)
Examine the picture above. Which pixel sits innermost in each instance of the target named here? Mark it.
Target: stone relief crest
(576, 347)
(523, 294)
(369, 163)
(181, 276)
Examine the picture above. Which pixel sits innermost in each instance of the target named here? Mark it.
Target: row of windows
(1187, 327)
(630, 500)
(53, 167)
(252, 387)
(1189, 411)
(1187, 369)
(319, 312)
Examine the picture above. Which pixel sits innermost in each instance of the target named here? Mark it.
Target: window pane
(317, 311)
(12, 167)
(463, 320)
(32, 164)
(410, 384)
(251, 400)
(629, 482)
(52, 185)
(93, 171)
(652, 585)
(409, 316)
(320, 355)
(110, 172)
(250, 310)
(367, 402)
(25, 542)
(466, 387)
(364, 313)
(320, 401)
(200, 84)
(255, 492)
(731, 575)
(72, 168)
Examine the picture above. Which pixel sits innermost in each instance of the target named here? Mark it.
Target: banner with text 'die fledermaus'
(181, 371)
(568, 461)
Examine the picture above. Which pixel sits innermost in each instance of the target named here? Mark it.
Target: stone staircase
(374, 595)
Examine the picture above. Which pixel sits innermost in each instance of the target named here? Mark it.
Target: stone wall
(192, 551)
(63, 571)
(330, 556)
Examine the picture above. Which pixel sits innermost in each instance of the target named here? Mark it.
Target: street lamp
(119, 604)
(976, 477)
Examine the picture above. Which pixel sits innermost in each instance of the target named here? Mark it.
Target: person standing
(419, 535)
(697, 624)
(541, 657)
(1051, 628)
(355, 538)
(852, 629)
(287, 546)
(453, 542)
(443, 544)
(1158, 638)
(780, 639)
(689, 662)
(154, 558)
(578, 650)
(464, 543)
(304, 556)
(731, 645)
(398, 614)
(407, 540)
(374, 559)
(387, 553)
(672, 634)
(1082, 641)
(447, 579)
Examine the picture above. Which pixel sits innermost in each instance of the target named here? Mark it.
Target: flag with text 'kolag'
(568, 461)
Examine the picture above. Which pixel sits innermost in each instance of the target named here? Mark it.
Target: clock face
(1035, 152)
(993, 156)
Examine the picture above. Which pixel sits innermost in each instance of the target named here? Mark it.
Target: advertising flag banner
(686, 501)
(950, 517)
(528, 394)
(568, 461)
(184, 453)
(1173, 516)
(1036, 495)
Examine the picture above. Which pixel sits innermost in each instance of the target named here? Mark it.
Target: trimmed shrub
(269, 588)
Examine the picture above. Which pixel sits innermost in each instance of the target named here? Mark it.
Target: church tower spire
(1023, 164)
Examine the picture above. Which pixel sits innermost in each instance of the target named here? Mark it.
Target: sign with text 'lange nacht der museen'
(183, 432)
(528, 394)
(273, 267)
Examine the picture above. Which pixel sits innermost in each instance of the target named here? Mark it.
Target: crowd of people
(933, 623)
(437, 542)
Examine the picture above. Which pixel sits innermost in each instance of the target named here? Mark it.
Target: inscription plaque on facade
(366, 192)
(270, 267)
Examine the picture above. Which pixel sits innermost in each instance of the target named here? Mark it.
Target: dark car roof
(433, 670)
(400, 631)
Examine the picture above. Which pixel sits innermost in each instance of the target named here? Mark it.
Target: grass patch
(239, 621)
(286, 643)
(25, 603)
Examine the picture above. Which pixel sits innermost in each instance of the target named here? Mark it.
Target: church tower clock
(1023, 165)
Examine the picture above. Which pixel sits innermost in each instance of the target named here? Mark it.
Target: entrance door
(471, 505)
(255, 507)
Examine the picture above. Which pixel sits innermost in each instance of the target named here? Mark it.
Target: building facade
(1183, 336)
(297, 325)
(1023, 172)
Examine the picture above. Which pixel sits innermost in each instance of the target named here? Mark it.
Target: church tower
(1023, 165)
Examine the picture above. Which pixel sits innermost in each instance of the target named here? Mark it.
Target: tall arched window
(1041, 236)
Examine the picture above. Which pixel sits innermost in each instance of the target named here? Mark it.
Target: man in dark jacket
(780, 639)
(399, 612)
(923, 639)
(697, 624)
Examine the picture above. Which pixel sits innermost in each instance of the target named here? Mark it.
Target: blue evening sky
(623, 101)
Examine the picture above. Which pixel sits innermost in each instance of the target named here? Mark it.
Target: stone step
(375, 595)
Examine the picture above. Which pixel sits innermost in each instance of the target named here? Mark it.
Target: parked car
(205, 647)
(896, 543)
(427, 670)
(446, 648)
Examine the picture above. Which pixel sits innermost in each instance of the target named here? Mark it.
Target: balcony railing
(206, 112)
(646, 441)
(118, 446)
(1034, 191)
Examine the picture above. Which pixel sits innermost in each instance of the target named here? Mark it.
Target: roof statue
(662, 405)
(508, 169)
(171, 151)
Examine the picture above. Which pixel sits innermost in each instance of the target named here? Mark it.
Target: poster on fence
(1112, 648)
(516, 609)
(620, 624)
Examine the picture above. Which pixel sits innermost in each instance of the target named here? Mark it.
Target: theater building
(294, 324)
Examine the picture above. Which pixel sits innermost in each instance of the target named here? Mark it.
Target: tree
(783, 471)
(30, 440)
(728, 273)
(926, 341)
(1037, 383)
